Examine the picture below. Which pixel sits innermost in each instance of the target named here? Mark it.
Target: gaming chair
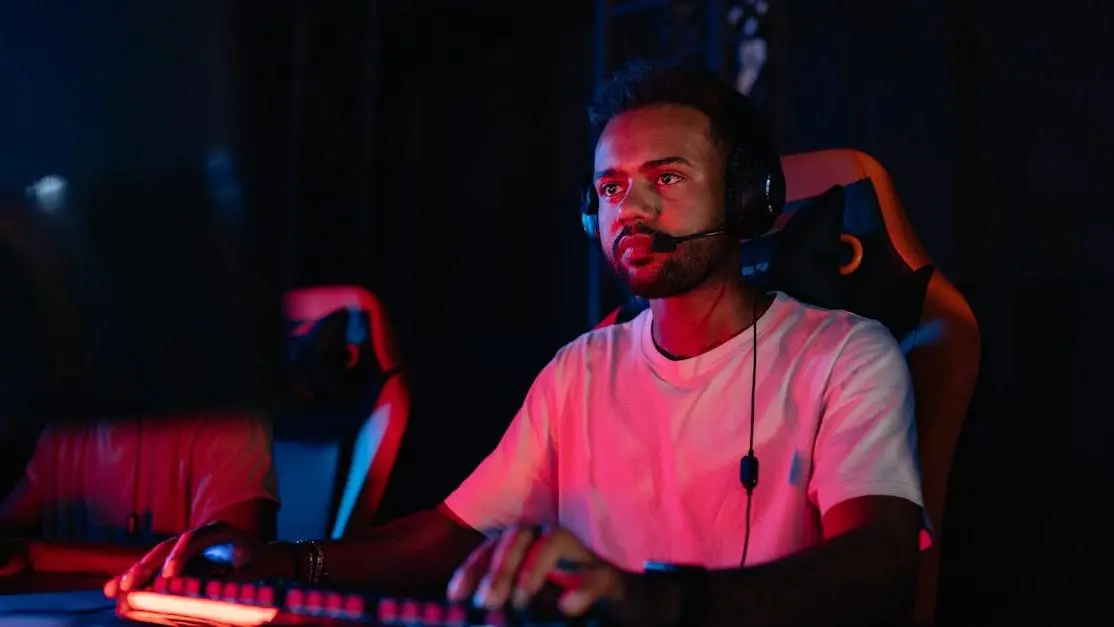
(347, 412)
(843, 241)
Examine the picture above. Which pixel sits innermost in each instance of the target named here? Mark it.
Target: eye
(669, 178)
(609, 189)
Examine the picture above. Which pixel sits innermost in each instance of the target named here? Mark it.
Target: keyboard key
(410, 613)
(192, 587)
(247, 594)
(354, 606)
(315, 602)
(265, 596)
(388, 610)
(456, 616)
(432, 613)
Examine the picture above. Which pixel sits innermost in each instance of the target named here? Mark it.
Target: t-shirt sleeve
(232, 463)
(867, 441)
(516, 483)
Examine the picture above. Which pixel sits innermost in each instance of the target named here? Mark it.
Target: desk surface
(86, 608)
(58, 601)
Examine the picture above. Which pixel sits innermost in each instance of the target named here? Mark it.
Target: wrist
(649, 599)
(284, 561)
(671, 595)
(310, 561)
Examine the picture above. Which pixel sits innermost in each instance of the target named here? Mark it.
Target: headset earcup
(589, 213)
(740, 192)
(590, 222)
(757, 210)
(756, 194)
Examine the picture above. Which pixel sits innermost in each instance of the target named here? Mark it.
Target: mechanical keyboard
(210, 603)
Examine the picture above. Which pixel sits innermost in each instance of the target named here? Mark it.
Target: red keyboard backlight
(138, 604)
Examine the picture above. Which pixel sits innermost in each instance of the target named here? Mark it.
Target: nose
(639, 204)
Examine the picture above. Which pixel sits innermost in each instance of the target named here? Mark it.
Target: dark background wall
(93, 88)
(483, 150)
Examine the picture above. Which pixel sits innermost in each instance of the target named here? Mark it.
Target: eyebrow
(653, 164)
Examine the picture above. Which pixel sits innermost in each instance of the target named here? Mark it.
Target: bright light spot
(49, 193)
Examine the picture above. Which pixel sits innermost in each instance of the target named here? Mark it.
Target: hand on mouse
(515, 565)
(169, 559)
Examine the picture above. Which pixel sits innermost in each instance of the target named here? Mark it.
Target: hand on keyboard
(515, 565)
(203, 551)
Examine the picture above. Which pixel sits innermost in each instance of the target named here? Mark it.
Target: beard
(680, 272)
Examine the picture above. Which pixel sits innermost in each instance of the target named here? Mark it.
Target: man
(628, 446)
(96, 496)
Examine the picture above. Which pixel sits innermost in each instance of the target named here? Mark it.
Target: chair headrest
(834, 251)
(310, 304)
(810, 174)
(335, 352)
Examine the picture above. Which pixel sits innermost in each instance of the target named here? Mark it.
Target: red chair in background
(351, 405)
(882, 272)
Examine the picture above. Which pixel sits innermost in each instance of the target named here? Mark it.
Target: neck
(698, 321)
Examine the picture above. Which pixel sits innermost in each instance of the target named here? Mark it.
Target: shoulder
(837, 333)
(56, 436)
(602, 344)
(240, 431)
(590, 354)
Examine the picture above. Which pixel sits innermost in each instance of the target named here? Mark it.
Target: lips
(633, 247)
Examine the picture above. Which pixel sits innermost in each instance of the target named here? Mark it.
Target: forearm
(420, 550)
(859, 578)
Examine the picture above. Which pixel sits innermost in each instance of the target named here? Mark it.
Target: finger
(468, 574)
(509, 552)
(142, 571)
(576, 602)
(561, 559)
(192, 544)
(595, 583)
(540, 562)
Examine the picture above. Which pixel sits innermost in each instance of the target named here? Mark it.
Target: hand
(518, 562)
(169, 559)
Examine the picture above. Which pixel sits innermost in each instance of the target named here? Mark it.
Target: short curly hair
(734, 121)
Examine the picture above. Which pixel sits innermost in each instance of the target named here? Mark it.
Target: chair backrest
(879, 270)
(943, 354)
(336, 448)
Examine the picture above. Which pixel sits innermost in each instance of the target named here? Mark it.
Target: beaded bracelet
(316, 559)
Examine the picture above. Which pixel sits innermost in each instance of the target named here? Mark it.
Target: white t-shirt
(638, 455)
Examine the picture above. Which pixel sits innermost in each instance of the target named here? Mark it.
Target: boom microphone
(664, 243)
